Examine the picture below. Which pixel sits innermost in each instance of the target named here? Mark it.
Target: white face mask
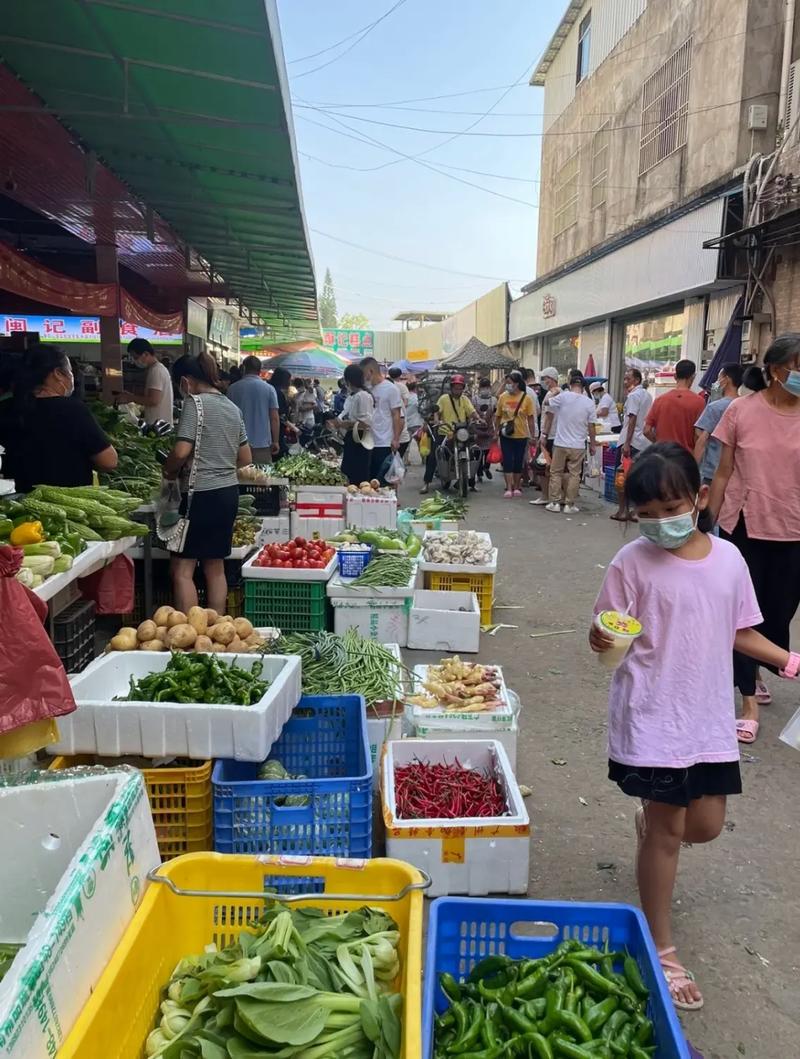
(69, 387)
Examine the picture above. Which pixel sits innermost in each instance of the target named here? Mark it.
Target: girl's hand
(599, 641)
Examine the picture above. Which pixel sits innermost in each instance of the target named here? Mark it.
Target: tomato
(300, 542)
(303, 564)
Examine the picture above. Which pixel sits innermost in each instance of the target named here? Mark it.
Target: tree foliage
(354, 321)
(327, 302)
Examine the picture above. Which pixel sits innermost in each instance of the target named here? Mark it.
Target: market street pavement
(737, 912)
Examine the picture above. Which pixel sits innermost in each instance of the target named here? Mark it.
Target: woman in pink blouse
(756, 498)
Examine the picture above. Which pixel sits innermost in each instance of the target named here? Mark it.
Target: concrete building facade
(652, 110)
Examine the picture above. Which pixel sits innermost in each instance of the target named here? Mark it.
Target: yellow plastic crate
(168, 926)
(481, 584)
(181, 802)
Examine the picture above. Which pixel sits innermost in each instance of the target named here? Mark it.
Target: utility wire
(359, 35)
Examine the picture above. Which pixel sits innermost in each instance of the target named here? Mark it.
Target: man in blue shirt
(258, 403)
(707, 450)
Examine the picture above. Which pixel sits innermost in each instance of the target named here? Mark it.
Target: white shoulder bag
(174, 533)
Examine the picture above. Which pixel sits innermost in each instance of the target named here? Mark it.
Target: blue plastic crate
(610, 491)
(326, 740)
(462, 931)
(351, 563)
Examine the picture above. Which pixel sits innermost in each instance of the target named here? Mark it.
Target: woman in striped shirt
(211, 433)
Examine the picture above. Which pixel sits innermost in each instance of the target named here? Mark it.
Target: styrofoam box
(275, 529)
(156, 729)
(79, 847)
(466, 856)
(160, 554)
(444, 621)
(381, 620)
(381, 729)
(316, 528)
(459, 568)
(791, 733)
(501, 719)
(282, 573)
(507, 739)
(340, 587)
(422, 526)
(371, 512)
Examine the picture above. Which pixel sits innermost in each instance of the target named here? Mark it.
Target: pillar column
(107, 271)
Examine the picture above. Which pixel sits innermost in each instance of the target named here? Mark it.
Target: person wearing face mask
(549, 418)
(388, 417)
(516, 425)
(55, 439)
(707, 450)
(211, 445)
(671, 714)
(485, 433)
(755, 495)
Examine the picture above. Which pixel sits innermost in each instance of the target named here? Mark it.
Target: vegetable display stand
(228, 895)
(292, 606)
(104, 725)
(379, 619)
(482, 585)
(463, 932)
(78, 847)
(180, 803)
(468, 855)
(326, 813)
(371, 512)
(445, 621)
(73, 635)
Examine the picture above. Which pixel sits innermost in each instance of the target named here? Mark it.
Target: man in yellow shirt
(451, 408)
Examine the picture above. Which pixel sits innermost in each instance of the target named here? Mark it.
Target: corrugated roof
(189, 104)
(568, 20)
(475, 354)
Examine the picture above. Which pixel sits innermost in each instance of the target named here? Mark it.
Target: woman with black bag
(516, 425)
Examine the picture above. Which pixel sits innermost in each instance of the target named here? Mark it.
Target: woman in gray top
(211, 444)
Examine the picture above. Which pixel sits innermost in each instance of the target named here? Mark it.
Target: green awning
(188, 102)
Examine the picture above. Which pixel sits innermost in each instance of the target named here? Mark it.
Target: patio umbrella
(590, 368)
(307, 359)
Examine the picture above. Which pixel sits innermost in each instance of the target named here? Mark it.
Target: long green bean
(385, 571)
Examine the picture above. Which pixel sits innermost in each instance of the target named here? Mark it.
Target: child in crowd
(671, 719)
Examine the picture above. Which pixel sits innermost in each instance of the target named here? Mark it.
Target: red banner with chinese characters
(21, 275)
(132, 310)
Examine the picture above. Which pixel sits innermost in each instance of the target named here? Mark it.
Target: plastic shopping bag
(396, 471)
(413, 455)
(494, 454)
(34, 686)
(622, 473)
(111, 588)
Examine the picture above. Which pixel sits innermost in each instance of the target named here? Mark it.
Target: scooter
(457, 459)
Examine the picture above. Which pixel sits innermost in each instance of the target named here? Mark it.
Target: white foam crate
(457, 568)
(444, 621)
(275, 529)
(316, 528)
(501, 719)
(342, 588)
(157, 729)
(283, 573)
(378, 619)
(506, 738)
(371, 512)
(160, 554)
(421, 526)
(81, 846)
(474, 856)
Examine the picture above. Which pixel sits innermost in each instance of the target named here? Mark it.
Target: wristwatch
(792, 667)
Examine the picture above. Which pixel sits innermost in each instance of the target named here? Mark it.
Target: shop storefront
(654, 343)
(562, 352)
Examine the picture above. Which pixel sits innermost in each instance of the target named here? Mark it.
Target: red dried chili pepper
(446, 792)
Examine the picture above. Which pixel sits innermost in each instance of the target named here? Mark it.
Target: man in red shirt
(674, 414)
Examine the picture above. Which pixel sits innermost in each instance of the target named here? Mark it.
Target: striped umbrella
(307, 359)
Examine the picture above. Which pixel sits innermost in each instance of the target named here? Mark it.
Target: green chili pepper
(488, 1030)
(614, 1025)
(462, 1020)
(570, 1050)
(487, 1053)
(516, 1021)
(535, 1009)
(644, 1031)
(575, 1025)
(473, 1033)
(554, 998)
(600, 1013)
(634, 978)
(635, 1052)
(596, 982)
(538, 1046)
(450, 987)
(532, 986)
(620, 1045)
(489, 967)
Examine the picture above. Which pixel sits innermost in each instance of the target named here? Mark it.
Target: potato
(223, 632)
(243, 627)
(203, 644)
(125, 640)
(254, 639)
(217, 648)
(162, 614)
(212, 616)
(198, 619)
(235, 646)
(177, 617)
(364, 485)
(226, 617)
(181, 636)
(146, 631)
(161, 633)
(375, 483)
(152, 645)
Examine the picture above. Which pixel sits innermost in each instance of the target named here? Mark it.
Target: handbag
(174, 533)
(507, 429)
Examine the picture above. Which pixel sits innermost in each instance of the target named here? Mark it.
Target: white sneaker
(571, 509)
(540, 501)
(555, 508)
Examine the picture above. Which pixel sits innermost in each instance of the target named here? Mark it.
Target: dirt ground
(737, 900)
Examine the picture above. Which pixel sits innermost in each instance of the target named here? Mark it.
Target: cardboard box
(79, 845)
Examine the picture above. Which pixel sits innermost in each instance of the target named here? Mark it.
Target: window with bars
(566, 195)
(665, 108)
(601, 145)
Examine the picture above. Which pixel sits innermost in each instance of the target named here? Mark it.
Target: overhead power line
(359, 35)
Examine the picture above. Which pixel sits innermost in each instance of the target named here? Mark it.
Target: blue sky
(423, 48)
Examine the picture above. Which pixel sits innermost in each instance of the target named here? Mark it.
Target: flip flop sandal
(678, 978)
(747, 731)
(763, 694)
(619, 518)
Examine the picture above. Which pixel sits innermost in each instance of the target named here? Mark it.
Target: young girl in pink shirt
(671, 719)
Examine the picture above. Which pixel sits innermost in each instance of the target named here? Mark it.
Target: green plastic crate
(293, 606)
